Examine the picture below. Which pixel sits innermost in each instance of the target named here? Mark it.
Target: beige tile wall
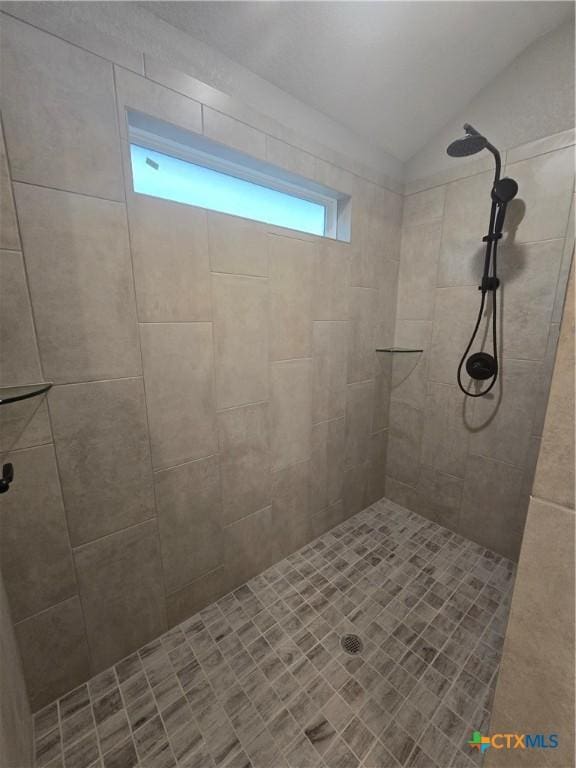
(15, 717)
(218, 401)
(535, 691)
(469, 463)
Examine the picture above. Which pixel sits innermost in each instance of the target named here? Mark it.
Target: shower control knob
(7, 477)
(481, 366)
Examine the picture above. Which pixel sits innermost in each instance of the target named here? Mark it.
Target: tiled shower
(235, 465)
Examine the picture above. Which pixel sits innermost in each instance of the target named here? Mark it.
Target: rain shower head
(469, 145)
(472, 143)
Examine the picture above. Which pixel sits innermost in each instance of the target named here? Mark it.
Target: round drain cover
(352, 644)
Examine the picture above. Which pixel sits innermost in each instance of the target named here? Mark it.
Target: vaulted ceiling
(393, 72)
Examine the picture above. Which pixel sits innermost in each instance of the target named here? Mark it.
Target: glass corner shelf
(401, 350)
(14, 394)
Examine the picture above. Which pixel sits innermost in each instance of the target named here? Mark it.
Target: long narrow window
(160, 175)
(174, 164)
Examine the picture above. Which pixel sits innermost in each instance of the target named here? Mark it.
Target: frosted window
(161, 175)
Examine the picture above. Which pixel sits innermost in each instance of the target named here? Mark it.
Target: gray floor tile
(259, 678)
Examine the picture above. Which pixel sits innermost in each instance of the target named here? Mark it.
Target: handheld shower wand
(482, 366)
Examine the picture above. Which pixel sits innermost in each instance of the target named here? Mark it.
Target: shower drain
(351, 644)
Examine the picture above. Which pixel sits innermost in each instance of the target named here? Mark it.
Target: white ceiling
(393, 72)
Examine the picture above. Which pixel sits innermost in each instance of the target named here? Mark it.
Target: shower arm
(497, 160)
(471, 131)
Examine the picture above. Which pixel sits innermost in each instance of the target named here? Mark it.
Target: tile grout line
(291, 565)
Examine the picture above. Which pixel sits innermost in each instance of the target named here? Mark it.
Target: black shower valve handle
(7, 477)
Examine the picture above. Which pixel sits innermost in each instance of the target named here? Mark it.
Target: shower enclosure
(248, 517)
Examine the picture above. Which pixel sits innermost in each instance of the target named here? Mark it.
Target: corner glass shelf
(14, 394)
(400, 350)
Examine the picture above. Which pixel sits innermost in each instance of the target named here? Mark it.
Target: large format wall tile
(331, 268)
(540, 146)
(555, 472)
(404, 442)
(501, 422)
(169, 244)
(423, 207)
(545, 185)
(59, 113)
(291, 519)
(545, 380)
(529, 275)
(535, 691)
(19, 362)
(354, 489)
(237, 245)
(362, 314)
(327, 464)
(120, 581)
(291, 158)
(567, 258)
(382, 388)
(104, 456)
(142, 95)
(178, 374)
(364, 257)
(327, 518)
(16, 731)
(244, 438)
(233, 133)
(492, 509)
(291, 274)
(409, 371)
(386, 300)
(250, 546)
(359, 407)
(73, 25)
(185, 602)
(384, 222)
(25, 424)
(466, 214)
(446, 434)
(9, 235)
(418, 269)
(36, 558)
(439, 497)
(189, 520)
(54, 652)
(330, 358)
(76, 253)
(241, 320)
(454, 318)
(290, 411)
(377, 455)
(403, 494)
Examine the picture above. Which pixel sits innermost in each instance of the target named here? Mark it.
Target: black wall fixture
(483, 366)
(7, 477)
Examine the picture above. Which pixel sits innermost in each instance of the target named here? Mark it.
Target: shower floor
(259, 678)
